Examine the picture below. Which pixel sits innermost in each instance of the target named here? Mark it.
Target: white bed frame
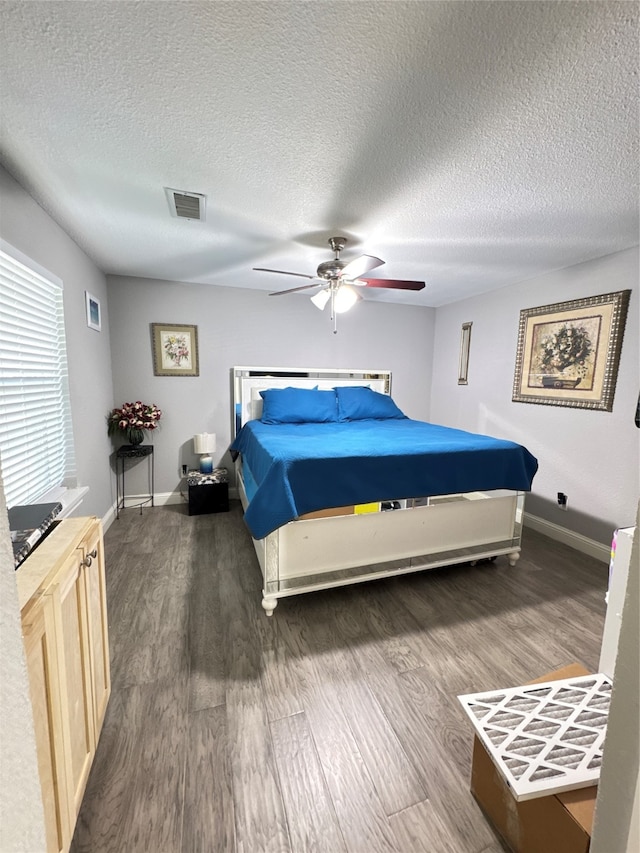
(318, 553)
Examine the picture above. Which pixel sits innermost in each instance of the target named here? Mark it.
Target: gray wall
(593, 456)
(25, 225)
(247, 327)
(589, 455)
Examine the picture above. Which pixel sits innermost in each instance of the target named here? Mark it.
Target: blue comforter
(300, 468)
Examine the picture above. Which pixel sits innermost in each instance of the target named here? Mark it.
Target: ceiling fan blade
(392, 283)
(294, 289)
(284, 272)
(358, 266)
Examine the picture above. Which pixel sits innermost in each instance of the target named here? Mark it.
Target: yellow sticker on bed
(361, 509)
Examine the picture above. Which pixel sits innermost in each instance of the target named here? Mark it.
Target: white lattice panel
(544, 738)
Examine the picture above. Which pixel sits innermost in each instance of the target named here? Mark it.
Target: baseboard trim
(167, 498)
(134, 501)
(574, 540)
(109, 518)
(159, 499)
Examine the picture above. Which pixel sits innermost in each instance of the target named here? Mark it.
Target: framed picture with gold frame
(568, 353)
(175, 349)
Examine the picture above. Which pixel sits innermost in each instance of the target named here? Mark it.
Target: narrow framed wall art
(465, 344)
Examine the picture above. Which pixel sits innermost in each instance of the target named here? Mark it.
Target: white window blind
(36, 436)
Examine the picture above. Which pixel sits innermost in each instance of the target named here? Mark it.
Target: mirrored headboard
(249, 381)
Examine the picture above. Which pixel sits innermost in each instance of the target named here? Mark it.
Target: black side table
(133, 451)
(208, 492)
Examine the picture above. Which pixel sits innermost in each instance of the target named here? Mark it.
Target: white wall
(30, 229)
(247, 327)
(617, 823)
(21, 812)
(591, 456)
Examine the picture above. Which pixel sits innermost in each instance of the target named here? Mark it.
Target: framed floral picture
(568, 353)
(175, 349)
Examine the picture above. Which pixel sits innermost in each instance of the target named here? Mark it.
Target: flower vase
(135, 436)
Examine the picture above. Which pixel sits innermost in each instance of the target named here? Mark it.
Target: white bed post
(271, 571)
(269, 603)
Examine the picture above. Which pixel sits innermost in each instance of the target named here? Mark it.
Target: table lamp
(204, 443)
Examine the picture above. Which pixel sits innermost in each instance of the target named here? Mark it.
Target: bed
(338, 486)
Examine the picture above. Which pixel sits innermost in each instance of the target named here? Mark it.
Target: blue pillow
(359, 403)
(298, 406)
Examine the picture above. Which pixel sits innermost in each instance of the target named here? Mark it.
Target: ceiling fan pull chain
(334, 316)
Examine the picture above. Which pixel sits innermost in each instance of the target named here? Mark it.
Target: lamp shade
(320, 299)
(204, 442)
(346, 298)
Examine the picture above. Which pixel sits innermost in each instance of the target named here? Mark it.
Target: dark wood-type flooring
(332, 726)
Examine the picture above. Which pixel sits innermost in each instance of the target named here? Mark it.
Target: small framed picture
(94, 315)
(175, 349)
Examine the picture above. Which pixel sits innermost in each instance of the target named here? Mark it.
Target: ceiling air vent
(185, 205)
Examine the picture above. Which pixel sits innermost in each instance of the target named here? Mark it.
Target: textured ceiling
(468, 144)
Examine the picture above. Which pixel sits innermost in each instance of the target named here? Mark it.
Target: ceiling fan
(336, 280)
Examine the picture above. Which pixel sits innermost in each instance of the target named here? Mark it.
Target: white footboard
(318, 553)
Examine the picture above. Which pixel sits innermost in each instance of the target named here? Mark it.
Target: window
(36, 437)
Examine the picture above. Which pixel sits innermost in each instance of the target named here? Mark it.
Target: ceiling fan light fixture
(346, 298)
(340, 281)
(320, 299)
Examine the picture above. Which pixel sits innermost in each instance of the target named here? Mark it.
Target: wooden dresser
(62, 595)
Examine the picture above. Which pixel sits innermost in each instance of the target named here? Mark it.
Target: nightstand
(208, 492)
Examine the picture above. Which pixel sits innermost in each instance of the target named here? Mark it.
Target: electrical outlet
(184, 470)
(563, 501)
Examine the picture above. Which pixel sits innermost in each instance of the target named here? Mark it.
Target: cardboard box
(328, 513)
(560, 823)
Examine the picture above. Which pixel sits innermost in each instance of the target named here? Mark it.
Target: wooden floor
(332, 726)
